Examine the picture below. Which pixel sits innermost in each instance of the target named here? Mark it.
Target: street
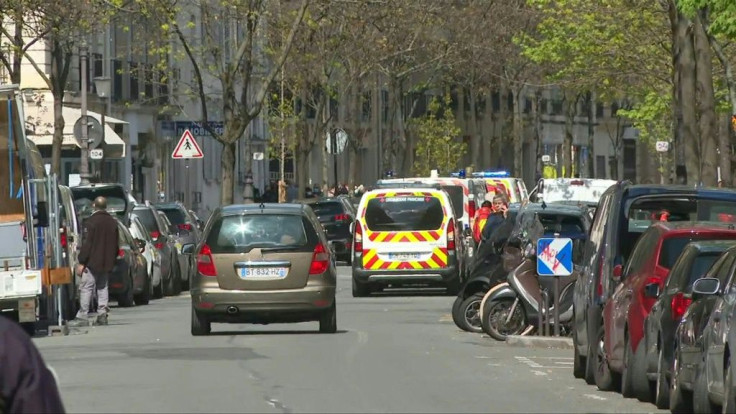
(391, 354)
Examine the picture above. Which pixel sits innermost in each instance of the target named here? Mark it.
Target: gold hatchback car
(267, 263)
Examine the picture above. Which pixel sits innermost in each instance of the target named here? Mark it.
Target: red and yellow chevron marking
(371, 261)
(405, 236)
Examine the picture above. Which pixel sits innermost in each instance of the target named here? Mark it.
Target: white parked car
(152, 255)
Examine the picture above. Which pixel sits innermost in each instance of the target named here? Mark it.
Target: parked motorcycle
(515, 307)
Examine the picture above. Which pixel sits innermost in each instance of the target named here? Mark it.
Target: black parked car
(129, 280)
(336, 215)
(624, 212)
(166, 245)
(660, 325)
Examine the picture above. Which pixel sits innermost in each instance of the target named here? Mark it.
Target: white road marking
(527, 361)
(533, 364)
(595, 397)
(539, 373)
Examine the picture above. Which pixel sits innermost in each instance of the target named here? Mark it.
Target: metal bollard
(544, 313)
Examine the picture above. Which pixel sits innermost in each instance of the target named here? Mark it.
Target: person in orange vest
(481, 216)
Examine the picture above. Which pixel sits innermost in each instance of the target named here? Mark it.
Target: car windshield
(700, 266)
(240, 234)
(456, 199)
(672, 247)
(397, 213)
(330, 208)
(145, 215)
(174, 215)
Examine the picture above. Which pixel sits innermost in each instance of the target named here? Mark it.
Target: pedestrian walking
(97, 258)
(26, 383)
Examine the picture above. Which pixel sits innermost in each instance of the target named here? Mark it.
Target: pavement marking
(595, 397)
(533, 364)
(539, 373)
(527, 361)
(446, 318)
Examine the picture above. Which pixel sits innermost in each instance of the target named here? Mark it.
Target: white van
(406, 236)
(570, 190)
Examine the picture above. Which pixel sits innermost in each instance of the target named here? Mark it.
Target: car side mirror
(706, 286)
(187, 248)
(617, 272)
(352, 227)
(651, 290)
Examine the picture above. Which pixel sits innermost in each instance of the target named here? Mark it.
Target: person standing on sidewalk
(97, 258)
(27, 385)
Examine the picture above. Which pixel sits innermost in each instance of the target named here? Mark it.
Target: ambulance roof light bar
(492, 174)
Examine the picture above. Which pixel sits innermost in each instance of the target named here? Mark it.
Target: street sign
(258, 156)
(546, 158)
(96, 154)
(554, 257)
(341, 141)
(94, 131)
(662, 146)
(187, 147)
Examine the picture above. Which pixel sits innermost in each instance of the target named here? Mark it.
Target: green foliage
(722, 14)
(652, 116)
(436, 145)
(282, 122)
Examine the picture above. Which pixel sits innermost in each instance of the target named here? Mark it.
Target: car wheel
(627, 390)
(456, 316)
(605, 379)
(328, 320)
(145, 296)
(495, 315)
(578, 361)
(158, 291)
(590, 359)
(360, 290)
(661, 394)
(127, 299)
(200, 325)
(177, 280)
(701, 400)
(469, 311)
(681, 401)
(729, 397)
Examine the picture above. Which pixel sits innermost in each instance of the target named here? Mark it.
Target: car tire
(605, 379)
(729, 396)
(127, 298)
(360, 290)
(144, 297)
(456, 311)
(661, 388)
(328, 320)
(502, 305)
(469, 313)
(578, 361)
(177, 280)
(627, 380)
(681, 400)
(158, 291)
(200, 325)
(590, 359)
(701, 400)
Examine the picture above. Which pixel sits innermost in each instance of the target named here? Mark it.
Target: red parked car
(643, 277)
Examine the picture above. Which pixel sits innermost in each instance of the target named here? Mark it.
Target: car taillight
(159, 245)
(471, 208)
(205, 264)
(679, 305)
(450, 235)
(185, 226)
(320, 260)
(358, 237)
(62, 237)
(121, 253)
(342, 217)
(155, 235)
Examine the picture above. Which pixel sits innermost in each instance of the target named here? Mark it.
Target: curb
(539, 342)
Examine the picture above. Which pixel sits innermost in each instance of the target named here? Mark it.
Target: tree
(233, 60)
(436, 146)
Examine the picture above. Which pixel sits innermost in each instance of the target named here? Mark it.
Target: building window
(556, 107)
(614, 109)
(600, 167)
(384, 105)
(134, 81)
(334, 109)
(599, 109)
(544, 106)
(510, 102)
(148, 81)
(527, 105)
(496, 102)
(117, 80)
(366, 106)
(163, 88)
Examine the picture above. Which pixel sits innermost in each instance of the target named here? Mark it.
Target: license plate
(404, 256)
(263, 272)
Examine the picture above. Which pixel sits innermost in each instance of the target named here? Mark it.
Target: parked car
(660, 325)
(185, 230)
(128, 282)
(702, 372)
(624, 212)
(336, 215)
(267, 263)
(641, 281)
(165, 244)
(185, 261)
(152, 255)
(119, 201)
(70, 236)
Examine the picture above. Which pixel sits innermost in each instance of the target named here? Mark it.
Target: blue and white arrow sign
(554, 257)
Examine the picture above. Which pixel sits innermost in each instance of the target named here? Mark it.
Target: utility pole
(84, 167)
(282, 174)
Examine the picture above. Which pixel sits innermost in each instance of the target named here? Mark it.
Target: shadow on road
(279, 332)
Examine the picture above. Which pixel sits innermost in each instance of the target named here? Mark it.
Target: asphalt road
(392, 353)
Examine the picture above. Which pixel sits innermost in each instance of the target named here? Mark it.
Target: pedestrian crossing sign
(187, 147)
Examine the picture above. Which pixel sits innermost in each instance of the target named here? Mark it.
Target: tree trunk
(724, 148)
(58, 132)
(569, 106)
(227, 163)
(707, 120)
(537, 116)
(487, 134)
(475, 152)
(518, 133)
(590, 158)
(321, 134)
(686, 82)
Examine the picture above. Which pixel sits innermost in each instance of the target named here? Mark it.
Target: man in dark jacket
(26, 384)
(97, 258)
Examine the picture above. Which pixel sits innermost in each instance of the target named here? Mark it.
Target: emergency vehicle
(500, 181)
(405, 236)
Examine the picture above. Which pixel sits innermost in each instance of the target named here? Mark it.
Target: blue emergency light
(459, 174)
(491, 174)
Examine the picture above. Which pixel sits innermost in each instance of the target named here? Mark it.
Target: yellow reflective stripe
(441, 255)
(377, 264)
(368, 256)
(432, 264)
(381, 236)
(412, 237)
(416, 265)
(394, 265)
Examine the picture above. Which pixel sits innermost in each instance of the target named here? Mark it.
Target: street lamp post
(84, 159)
(103, 85)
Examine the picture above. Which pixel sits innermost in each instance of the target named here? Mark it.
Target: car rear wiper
(281, 249)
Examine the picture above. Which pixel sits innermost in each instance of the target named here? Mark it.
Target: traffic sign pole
(333, 144)
(556, 305)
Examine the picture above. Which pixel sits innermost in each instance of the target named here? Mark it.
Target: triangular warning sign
(187, 147)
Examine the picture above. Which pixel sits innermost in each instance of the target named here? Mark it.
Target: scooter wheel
(495, 315)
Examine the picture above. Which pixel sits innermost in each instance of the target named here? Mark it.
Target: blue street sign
(554, 257)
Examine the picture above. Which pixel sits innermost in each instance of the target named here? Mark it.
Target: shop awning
(40, 128)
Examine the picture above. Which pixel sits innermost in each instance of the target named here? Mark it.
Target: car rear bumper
(263, 306)
(340, 247)
(438, 275)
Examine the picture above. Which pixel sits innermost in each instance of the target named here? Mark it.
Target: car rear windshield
(84, 197)
(404, 213)
(327, 209)
(145, 215)
(566, 226)
(174, 215)
(240, 234)
(672, 247)
(701, 265)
